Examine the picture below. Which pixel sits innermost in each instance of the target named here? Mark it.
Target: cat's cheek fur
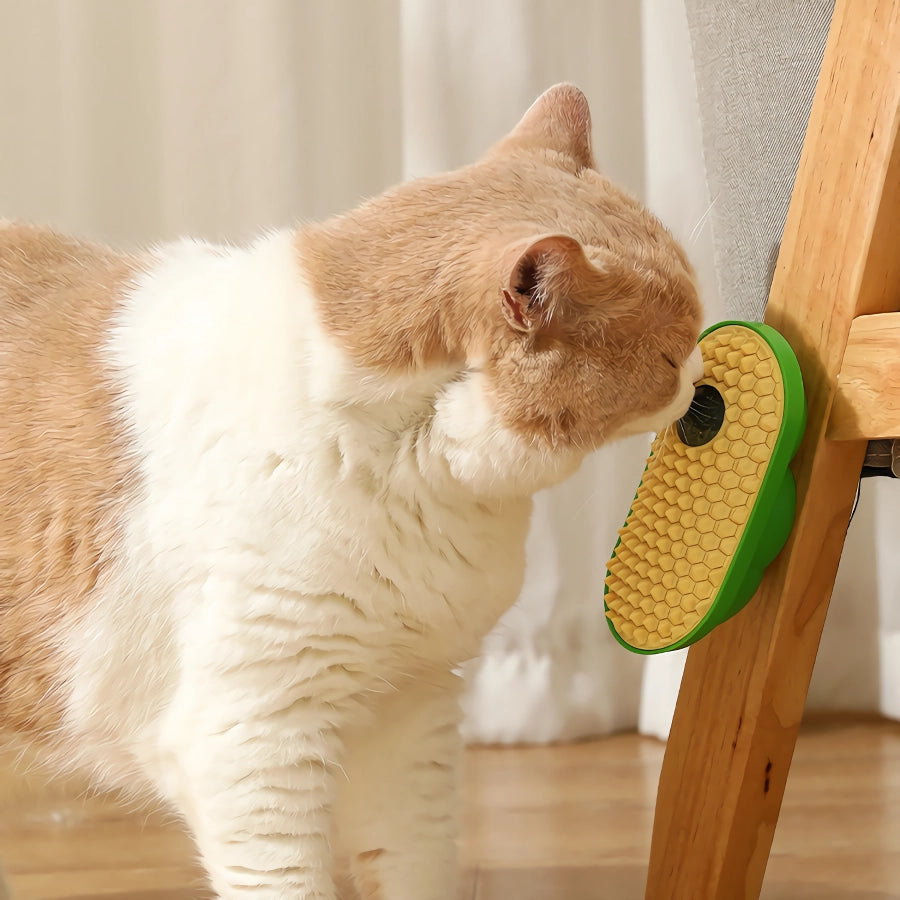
(484, 454)
(690, 372)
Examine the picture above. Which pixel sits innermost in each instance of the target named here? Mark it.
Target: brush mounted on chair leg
(716, 502)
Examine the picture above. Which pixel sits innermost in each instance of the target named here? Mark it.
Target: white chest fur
(289, 502)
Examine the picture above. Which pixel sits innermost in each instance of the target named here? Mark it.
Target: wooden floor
(559, 823)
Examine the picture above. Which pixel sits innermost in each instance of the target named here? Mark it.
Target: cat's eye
(670, 361)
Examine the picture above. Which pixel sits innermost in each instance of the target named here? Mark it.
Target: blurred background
(137, 121)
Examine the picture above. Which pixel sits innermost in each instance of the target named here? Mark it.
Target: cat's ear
(541, 274)
(559, 120)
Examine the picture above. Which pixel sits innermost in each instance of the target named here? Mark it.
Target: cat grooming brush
(716, 502)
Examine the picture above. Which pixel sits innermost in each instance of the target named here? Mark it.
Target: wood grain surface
(551, 823)
(867, 399)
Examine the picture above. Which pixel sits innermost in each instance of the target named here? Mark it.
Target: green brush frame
(772, 517)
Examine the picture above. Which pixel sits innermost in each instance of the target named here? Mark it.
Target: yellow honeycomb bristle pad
(694, 505)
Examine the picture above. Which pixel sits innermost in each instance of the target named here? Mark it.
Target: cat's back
(63, 464)
(47, 279)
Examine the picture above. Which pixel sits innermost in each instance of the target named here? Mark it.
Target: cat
(259, 504)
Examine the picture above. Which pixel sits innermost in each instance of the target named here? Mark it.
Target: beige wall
(138, 120)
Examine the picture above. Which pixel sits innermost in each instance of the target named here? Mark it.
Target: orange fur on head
(530, 265)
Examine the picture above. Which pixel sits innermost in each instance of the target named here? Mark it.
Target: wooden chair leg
(745, 685)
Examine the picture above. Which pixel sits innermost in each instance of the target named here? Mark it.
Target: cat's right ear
(542, 275)
(558, 120)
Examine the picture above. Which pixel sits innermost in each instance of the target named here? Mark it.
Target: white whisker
(695, 231)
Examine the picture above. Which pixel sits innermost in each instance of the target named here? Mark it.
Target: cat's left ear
(559, 120)
(542, 275)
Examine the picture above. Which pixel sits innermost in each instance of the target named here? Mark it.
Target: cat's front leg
(254, 734)
(397, 806)
(258, 797)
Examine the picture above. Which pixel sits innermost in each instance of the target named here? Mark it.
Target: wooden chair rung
(867, 398)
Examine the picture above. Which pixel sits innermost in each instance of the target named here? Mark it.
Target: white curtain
(135, 121)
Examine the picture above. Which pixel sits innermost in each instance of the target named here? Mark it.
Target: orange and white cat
(258, 504)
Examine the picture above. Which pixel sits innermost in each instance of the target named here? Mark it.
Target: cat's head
(569, 313)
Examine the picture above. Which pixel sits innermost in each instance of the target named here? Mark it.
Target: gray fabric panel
(756, 64)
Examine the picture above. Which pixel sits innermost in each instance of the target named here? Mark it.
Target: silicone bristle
(695, 501)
